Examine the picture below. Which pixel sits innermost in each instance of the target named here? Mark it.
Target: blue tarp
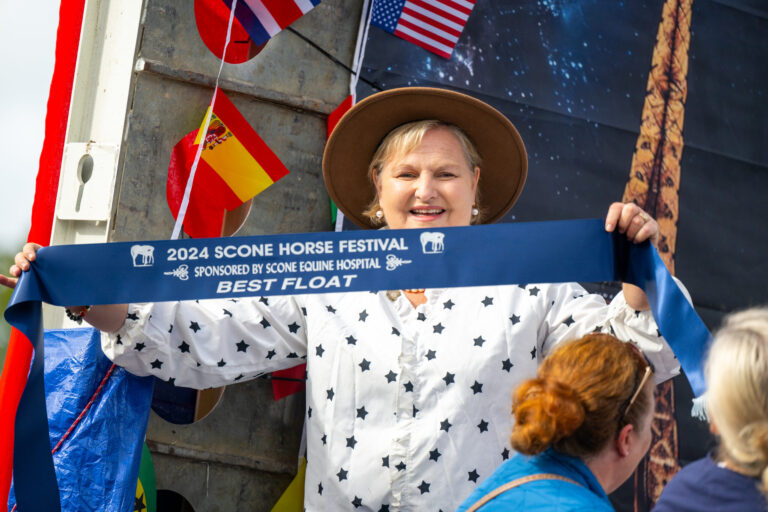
(98, 464)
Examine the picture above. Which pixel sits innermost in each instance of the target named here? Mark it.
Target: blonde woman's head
(737, 391)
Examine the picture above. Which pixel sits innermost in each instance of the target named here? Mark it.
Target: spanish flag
(235, 165)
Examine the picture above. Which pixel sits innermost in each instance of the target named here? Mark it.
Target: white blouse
(407, 408)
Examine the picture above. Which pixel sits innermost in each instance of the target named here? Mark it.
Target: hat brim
(358, 134)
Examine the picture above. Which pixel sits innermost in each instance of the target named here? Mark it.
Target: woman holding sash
(407, 390)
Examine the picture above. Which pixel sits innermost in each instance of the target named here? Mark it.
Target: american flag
(263, 19)
(435, 25)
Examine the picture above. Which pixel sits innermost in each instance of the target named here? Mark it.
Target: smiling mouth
(427, 211)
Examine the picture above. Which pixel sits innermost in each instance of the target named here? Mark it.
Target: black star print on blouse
(324, 439)
(400, 466)
(363, 315)
(304, 311)
(421, 316)
(227, 313)
(505, 454)
(391, 376)
(476, 388)
(184, 347)
(384, 508)
(568, 321)
(242, 346)
(139, 347)
(395, 332)
(434, 455)
(221, 363)
(239, 377)
(448, 305)
(342, 474)
(445, 425)
(534, 291)
(351, 340)
(320, 489)
(514, 319)
(357, 502)
(597, 329)
(483, 426)
(365, 365)
(194, 326)
(431, 354)
(157, 364)
(292, 355)
(362, 413)
(424, 487)
(119, 340)
(132, 316)
(438, 328)
(385, 461)
(170, 329)
(309, 412)
(329, 393)
(264, 301)
(330, 309)
(479, 341)
(172, 381)
(449, 378)
(319, 350)
(533, 353)
(351, 442)
(487, 301)
(415, 410)
(265, 323)
(408, 386)
(294, 327)
(473, 475)
(271, 354)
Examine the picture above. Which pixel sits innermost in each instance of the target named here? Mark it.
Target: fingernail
(608, 226)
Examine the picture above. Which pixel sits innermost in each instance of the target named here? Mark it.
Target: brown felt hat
(358, 134)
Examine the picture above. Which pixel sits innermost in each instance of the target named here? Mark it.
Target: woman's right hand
(21, 264)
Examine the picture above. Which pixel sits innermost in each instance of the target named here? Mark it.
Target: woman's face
(432, 186)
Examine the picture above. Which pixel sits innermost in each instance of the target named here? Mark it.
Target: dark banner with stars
(323, 263)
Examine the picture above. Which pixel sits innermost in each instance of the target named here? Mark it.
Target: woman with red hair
(581, 427)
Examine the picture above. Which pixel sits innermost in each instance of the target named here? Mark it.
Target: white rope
(188, 189)
(357, 65)
(362, 40)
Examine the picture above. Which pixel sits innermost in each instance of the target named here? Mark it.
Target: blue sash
(115, 273)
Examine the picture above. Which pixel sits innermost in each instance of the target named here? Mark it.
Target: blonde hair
(404, 139)
(580, 398)
(737, 391)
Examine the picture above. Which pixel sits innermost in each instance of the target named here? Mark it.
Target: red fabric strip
(19, 355)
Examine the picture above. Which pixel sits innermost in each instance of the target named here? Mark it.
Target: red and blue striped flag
(435, 25)
(263, 19)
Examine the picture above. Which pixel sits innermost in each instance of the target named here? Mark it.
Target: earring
(379, 214)
(475, 211)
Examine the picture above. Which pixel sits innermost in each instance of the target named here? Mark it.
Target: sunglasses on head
(649, 369)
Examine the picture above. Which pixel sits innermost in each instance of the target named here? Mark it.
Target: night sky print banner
(541, 252)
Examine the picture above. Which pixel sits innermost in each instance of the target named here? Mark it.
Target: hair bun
(545, 412)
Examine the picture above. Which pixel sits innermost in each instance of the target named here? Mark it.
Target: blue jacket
(549, 495)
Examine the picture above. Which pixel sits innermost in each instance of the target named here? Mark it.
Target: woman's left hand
(630, 219)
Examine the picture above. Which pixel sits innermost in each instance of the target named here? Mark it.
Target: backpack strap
(514, 483)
